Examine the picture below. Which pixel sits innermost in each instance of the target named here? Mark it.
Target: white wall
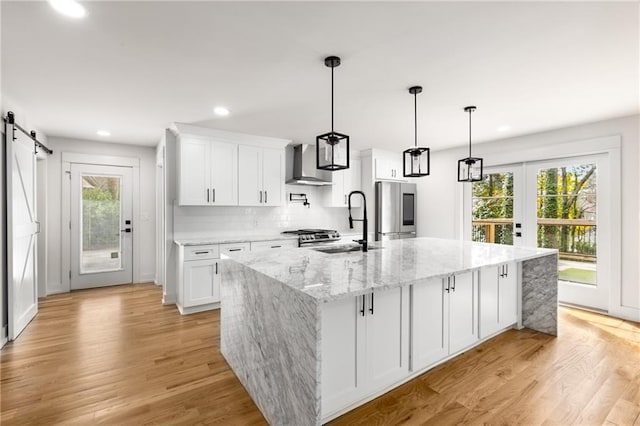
(145, 230)
(439, 205)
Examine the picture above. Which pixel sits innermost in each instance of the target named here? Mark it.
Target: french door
(569, 209)
(562, 204)
(101, 228)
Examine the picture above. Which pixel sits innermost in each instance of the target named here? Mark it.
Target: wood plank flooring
(117, 356)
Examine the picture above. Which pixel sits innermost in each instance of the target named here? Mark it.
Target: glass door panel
(492, 213)
(567, 218)
(101, 245)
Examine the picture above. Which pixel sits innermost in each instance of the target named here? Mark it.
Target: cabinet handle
(454, 283)
(202, 252)
(276, 246)
(345, 198)
(238, 249)
(216, 268)
(265, 197)
(207, 195)
(214, 195)
(371, 308)
(506, 270)
(448, 284)
(362, 310)
(261, 196)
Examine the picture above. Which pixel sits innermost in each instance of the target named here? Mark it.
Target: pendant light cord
(332, 99)
(470, 111)
(415, 119)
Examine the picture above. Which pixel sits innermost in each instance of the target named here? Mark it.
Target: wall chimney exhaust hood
(304, 168)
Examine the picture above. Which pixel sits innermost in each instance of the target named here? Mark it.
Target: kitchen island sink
(314, 333)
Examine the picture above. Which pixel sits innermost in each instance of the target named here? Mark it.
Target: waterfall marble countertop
(389, 264)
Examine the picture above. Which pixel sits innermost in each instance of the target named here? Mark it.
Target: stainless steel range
(314, 236)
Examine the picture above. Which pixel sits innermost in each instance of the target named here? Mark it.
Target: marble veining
(540, 294)
(269, 335)
(389, 264)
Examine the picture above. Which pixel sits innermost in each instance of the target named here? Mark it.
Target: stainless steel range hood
(304, 168)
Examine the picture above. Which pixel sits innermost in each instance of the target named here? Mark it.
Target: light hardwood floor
(116, 356)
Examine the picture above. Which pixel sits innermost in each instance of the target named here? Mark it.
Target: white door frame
(609, 145)
(65, 244)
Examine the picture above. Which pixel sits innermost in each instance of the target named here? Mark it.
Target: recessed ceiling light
(221, 111)
(69, 8)
(504, 128)
(103, 133)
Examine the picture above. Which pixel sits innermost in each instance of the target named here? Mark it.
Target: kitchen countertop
(232, 239)
(389, 264)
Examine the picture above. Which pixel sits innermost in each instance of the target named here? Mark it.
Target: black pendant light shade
(416, 160)
(470, 168)
(332, 149)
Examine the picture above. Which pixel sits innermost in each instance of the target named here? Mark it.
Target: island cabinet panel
(339, 342)
(201, 282)
(429, 318)
(463, 311)
(498, 292)
(444, 318)
(365, 346)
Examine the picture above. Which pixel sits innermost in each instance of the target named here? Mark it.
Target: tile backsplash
(195, 222)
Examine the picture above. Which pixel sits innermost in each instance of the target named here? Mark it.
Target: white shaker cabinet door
(430, 337)
(387, 344)
(353, 182)
(224, 174)
(508, 295)
(338, 194)
(341, 342)
(272, 177)
(488, 295)
(250, 176)
(201, 282)
(463, 323)
(194, 172)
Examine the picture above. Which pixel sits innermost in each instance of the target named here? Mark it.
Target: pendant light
(332, 149)
(470, 168)
(416, 160)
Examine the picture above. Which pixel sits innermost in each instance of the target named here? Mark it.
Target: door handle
(261, 196)
(371, 308)
(265, 197)
(448, 284)
(214, 195)
(207, 195)
(454, 283)
(362, 310)
(125, 230)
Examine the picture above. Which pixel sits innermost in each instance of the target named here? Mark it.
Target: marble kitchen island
(312, 335)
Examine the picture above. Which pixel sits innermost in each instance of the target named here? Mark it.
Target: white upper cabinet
(261, 176)
(345, 181)
(388, 167)
(208, 172)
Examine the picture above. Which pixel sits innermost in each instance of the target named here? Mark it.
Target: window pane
(567, 201)
(492, 214)
(101, 209)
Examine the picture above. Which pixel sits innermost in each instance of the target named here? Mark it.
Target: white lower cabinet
(201, 282)
(365, 344)
(498, 298)
(444, 318)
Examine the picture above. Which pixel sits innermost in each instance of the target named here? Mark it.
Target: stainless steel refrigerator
(395, 210)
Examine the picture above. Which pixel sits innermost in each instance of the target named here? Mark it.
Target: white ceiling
(134, 67)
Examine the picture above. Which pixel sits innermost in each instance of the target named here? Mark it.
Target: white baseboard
(4, 337)
(169, 299)
(55, 288)
(146, 278)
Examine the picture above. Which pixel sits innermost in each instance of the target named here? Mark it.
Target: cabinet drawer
(231, 248)
(274, 244)
(201, 252)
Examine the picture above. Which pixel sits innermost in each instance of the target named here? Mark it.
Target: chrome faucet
(363, 241)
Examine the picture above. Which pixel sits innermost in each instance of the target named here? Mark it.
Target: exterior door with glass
(101, 226)
(569, 209)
